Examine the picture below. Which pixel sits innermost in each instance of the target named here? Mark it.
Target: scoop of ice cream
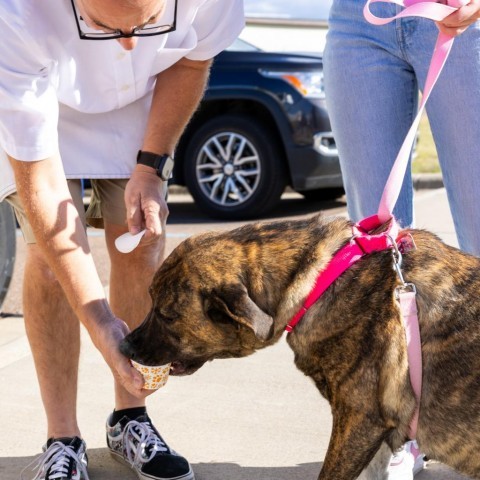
(155, 377)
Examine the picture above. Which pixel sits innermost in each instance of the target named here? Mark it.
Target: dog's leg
(377, 468)
(353, 444)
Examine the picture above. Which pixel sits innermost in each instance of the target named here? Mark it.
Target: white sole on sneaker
(143, 476)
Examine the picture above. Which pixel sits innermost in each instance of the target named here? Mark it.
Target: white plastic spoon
(127, 242)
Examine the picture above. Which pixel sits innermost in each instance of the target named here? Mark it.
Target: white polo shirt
(90, 99)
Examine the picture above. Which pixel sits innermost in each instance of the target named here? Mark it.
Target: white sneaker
(406, 463)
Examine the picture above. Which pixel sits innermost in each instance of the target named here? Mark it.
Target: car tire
(234, 168)
(7, 248)
(323, 194)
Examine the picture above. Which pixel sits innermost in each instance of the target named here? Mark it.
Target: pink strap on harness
(362, 243)
(408, 307)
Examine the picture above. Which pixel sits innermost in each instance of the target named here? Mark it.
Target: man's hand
(145, 202)
(107, 340)
(459, 21)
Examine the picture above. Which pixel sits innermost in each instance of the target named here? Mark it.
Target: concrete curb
(427, 180)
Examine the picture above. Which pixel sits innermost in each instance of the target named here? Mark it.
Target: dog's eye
(167, 317)
(219, 316)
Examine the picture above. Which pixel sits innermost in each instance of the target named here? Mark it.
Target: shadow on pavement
(188, 212)
(103, 467)
(232, 471)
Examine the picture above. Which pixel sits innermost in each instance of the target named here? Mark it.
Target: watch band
(163, 164)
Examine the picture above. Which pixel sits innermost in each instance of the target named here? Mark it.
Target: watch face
(167, 168)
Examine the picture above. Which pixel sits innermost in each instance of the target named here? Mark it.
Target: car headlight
(308, 83)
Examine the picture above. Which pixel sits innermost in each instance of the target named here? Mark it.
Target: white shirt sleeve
(28, 102)
(38, 70)
(217, 24)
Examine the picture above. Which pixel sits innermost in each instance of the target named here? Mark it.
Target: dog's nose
(127, 349)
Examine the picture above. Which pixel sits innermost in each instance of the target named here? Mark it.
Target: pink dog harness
(362, 243)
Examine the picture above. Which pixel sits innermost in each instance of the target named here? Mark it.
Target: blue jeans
(372, 78)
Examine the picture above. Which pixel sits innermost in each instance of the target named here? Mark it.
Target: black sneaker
(62, 459)
(138, 444)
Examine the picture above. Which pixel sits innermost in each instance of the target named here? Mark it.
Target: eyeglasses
(147, 30)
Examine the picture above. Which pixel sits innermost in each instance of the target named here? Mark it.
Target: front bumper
(312, 155)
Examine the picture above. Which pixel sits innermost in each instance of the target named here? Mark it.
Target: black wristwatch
(163, 164)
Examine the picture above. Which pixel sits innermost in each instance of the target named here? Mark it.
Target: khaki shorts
(107, 203)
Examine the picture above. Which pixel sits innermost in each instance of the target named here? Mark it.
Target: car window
(286, 10)
(286, 26)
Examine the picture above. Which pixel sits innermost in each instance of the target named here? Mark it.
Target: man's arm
(59, 233)
(177, 93)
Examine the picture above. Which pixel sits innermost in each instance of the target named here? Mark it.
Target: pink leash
(362, 243)
(436, 11)
(433, 11)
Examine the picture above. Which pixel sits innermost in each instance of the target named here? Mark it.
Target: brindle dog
(228, 294)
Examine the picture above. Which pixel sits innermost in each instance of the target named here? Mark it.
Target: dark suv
(261, 126)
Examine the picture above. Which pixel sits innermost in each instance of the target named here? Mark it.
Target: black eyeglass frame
(136, 32)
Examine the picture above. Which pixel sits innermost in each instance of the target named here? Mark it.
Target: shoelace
(139, 437)
(57, 458)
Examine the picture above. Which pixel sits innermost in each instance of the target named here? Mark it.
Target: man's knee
(38, 270)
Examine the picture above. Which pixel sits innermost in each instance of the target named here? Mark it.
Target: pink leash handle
(433, 11)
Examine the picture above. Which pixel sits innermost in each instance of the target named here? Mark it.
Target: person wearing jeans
(373, 75)
(372, 78)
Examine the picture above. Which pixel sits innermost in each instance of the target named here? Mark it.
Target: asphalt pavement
(256, 418)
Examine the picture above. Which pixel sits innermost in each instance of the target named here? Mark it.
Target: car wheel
(7, 247)
(233, 168)
(323, 194)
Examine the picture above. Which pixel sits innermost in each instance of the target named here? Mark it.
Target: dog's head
(199, 311)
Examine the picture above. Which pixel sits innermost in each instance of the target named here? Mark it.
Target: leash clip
(397, 260)
(405, 287)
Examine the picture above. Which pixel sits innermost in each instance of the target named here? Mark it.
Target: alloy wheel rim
(228, 169)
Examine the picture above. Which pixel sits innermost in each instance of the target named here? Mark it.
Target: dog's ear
(235, 303)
